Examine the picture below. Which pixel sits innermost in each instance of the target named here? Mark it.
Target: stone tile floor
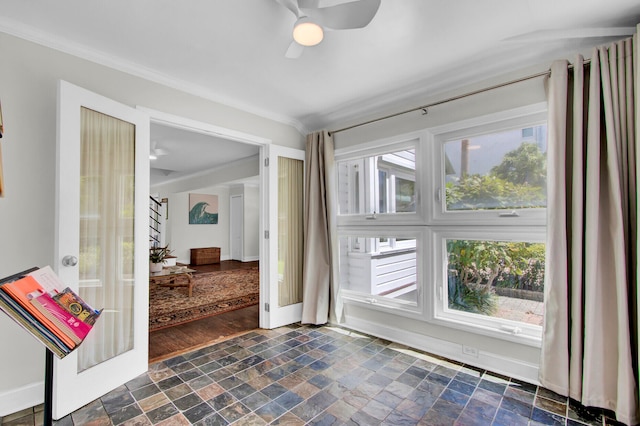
(320, 375)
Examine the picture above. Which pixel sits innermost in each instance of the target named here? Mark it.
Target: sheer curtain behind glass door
(107, 233)
(290, 230)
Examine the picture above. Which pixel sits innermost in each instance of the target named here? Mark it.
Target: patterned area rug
(213, 293)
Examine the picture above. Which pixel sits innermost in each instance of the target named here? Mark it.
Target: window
(382, 269)
(492, 278)
(379, 184)
(491, 264)
(474, 250)
(491, 174)
(497, 171)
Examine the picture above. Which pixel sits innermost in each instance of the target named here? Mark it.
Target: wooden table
(174, 276)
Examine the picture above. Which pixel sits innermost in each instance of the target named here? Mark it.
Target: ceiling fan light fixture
(307, 32)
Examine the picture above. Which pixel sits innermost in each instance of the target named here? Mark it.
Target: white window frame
(522, 117)
(514, 331)
(415, 141)
(382, 303)
(434, 225)
(355, 176)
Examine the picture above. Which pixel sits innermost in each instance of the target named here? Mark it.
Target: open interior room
(319, 212)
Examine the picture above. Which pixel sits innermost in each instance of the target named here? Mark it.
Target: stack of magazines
(51, 312)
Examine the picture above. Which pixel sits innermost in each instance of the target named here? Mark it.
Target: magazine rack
(48, 370)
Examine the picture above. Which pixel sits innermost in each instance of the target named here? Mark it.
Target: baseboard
(244, 259)
(498, 363)
(21, 398)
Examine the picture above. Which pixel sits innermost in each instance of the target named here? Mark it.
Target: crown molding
(69, 47)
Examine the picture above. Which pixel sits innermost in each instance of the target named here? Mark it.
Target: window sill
(497, 331)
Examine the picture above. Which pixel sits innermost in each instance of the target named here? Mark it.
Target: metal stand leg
(48, 389)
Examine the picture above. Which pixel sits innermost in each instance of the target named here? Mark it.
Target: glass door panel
(107, 170)
(290, 230)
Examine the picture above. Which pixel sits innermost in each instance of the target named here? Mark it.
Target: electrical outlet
(470, 350)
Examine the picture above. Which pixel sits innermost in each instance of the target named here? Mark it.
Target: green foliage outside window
(519, 181)
(476, 268)
(525, 165)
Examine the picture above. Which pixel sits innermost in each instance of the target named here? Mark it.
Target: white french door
(102, 193)
(286, 243)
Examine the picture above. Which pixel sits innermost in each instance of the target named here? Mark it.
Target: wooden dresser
(205, 255)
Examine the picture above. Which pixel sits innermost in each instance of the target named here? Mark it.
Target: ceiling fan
(312, 20)
(156, 152)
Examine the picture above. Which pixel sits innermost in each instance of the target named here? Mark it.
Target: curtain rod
(454, 98)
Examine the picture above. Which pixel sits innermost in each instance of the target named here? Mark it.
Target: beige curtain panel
(320, 285)
(589, 350)
(107, 226)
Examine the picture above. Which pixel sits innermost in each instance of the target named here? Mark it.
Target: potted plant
(156, 257)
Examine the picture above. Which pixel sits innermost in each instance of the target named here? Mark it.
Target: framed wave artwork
(203, 209)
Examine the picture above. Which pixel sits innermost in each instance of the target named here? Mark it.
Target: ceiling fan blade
(294, 51)
(292, 5)
(345, 16)
(309, 4)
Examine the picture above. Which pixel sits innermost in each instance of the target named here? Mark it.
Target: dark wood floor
(174, 341)
(225, 265)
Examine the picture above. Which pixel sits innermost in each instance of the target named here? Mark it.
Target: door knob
(69, 260)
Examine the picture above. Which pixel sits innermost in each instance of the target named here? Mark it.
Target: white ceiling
(232, 51)
(188, 153)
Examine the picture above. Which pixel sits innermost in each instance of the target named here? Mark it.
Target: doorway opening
(192, 157)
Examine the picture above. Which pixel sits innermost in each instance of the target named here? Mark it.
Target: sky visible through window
(486, 151)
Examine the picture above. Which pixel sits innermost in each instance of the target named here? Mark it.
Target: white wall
(498, 355)
(251, 244)
(28, 82)
(237, 170)
(213, 182)
(184, 236)
(250, 221)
